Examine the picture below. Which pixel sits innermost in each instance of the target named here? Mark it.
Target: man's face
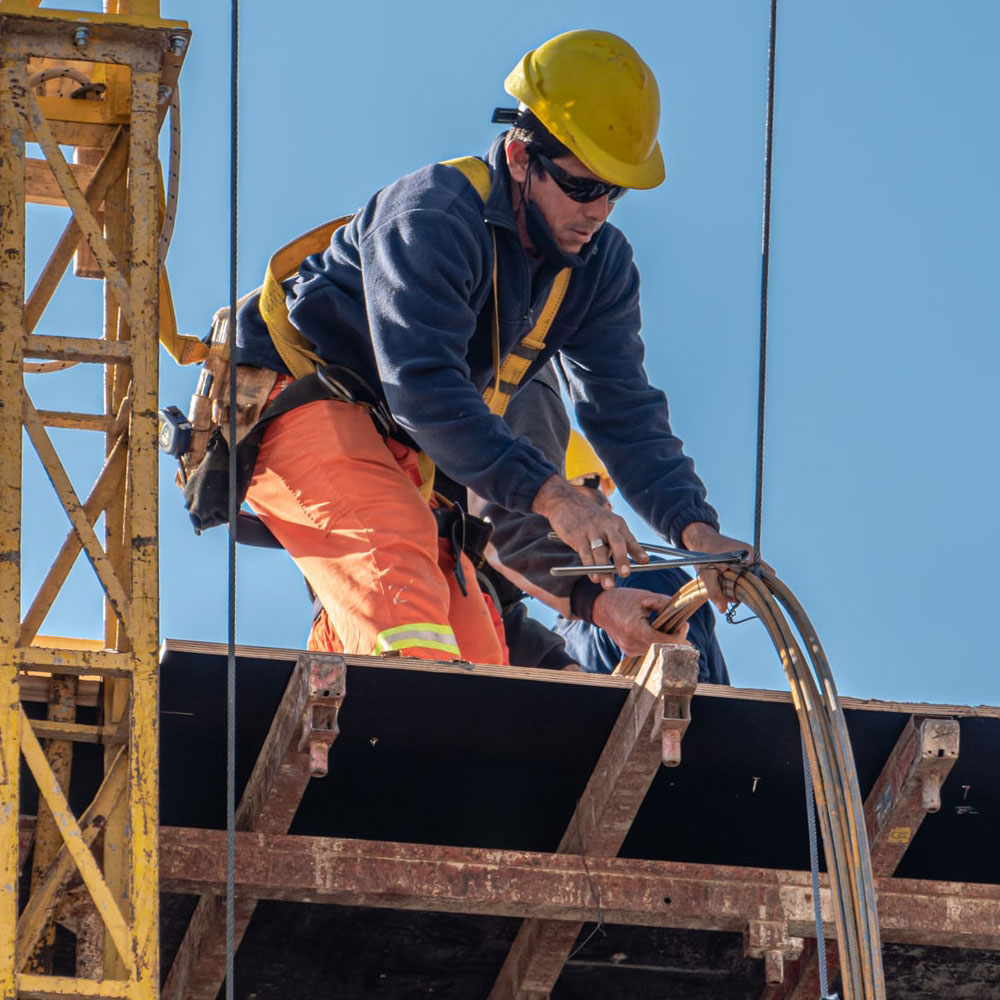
(572, 223)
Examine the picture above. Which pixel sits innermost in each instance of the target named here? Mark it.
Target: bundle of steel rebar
(834, 777)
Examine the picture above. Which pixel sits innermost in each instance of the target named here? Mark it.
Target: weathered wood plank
(639, 742)
(328, 870)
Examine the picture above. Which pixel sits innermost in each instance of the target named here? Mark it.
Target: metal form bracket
(770, 940)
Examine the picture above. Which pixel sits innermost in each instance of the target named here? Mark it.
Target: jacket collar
(499, 207)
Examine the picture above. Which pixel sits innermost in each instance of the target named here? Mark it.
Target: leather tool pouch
(206, 489)
(206, 492)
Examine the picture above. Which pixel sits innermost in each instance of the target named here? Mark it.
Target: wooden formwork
(468, 797)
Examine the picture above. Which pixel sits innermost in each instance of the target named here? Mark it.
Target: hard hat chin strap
(543, 240)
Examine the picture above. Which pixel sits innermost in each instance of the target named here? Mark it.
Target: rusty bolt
(178, 43)
(81, 36)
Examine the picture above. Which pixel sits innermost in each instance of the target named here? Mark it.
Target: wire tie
(731, 615)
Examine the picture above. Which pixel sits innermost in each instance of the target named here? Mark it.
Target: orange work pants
(345, 504)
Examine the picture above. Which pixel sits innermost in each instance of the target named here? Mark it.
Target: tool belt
(466, 534)
(206, 455)
(204, 478)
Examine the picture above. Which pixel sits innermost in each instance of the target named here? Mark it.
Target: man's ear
(517, 160)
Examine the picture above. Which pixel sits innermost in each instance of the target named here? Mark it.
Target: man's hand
(589, 528)
(701, 537)
(624, 614)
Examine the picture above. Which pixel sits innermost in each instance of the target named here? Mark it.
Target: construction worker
(419, 297)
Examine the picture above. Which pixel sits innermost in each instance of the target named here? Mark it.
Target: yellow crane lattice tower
(114, 74)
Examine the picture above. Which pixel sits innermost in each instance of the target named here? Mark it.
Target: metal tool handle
(739, 557)
(665, 550)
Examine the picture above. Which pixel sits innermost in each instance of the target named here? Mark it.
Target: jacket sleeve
(530, 643)
(421, 270)
(623, 416)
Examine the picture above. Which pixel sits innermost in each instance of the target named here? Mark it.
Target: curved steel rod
(835, 782)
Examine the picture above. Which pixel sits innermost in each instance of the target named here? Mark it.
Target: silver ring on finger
(597, 543)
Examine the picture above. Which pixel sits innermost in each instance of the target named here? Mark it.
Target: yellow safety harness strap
(293, 348)
(515, 366)
(183, 349)
(475, 172)
(510, 373)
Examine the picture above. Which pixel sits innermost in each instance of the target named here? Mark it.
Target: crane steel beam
(12, 220)
(112, 197)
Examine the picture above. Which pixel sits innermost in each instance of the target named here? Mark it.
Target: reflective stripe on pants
(345, 504)
(424, 634)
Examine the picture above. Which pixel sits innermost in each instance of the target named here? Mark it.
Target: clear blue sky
(881, 456)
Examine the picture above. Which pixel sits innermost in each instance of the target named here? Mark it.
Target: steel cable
(821, 749)
(831, 795)
(233, 507)
(828, 756)
(824, 985)
(765, 266)
(858, 829)
(838, 796)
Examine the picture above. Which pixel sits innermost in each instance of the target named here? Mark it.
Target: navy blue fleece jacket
(402, 297)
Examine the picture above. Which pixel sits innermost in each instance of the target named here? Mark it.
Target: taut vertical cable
(231, 658)
(824, 987)
(764, 271)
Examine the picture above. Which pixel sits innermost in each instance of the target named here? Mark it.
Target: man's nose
(599, 209)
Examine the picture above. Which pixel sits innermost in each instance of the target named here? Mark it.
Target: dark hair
(536, 138)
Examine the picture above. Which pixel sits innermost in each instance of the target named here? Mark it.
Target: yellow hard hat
(594, 93)
(582, 462)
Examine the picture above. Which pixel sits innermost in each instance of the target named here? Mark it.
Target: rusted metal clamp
(327, 682)
(770, 940)
(673, 708)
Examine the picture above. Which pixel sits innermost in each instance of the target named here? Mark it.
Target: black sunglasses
(578, 188)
